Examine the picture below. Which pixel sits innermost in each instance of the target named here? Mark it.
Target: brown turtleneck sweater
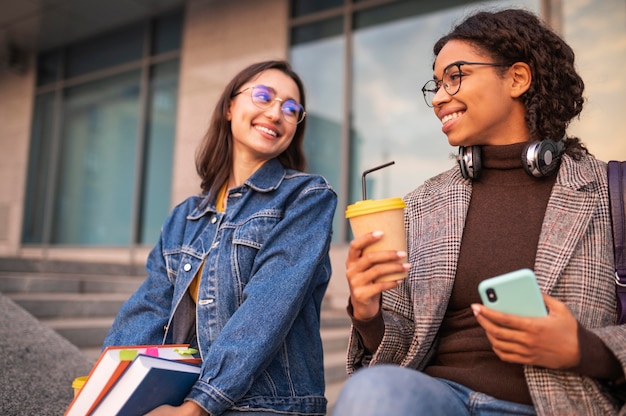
(501, 234)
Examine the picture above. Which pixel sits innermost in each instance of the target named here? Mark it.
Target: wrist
(363, 313)
(192, 408)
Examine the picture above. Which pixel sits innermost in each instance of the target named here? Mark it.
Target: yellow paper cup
(386, 215)
(78, 384)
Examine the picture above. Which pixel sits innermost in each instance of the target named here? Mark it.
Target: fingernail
(406, 266)
(378, 233)
(401, 253)
(476, 309)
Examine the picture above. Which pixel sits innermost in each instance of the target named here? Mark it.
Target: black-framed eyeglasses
(451, 80)
(264, 96)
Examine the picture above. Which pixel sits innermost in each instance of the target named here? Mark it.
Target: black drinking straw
(372, 170)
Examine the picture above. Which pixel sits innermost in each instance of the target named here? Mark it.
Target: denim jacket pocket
(248, 238)
(172, 262)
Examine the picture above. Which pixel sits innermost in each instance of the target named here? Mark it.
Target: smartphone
(516, 293)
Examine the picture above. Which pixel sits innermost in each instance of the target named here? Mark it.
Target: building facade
(102, 104)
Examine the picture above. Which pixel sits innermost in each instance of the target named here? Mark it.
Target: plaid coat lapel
(568, 215)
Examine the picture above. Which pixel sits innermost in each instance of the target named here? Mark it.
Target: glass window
(168, 32)
(48, 67)
(318, 59)
(38, 184)
(390, 59)
(303, 7)
(600, 57)
(390, 119)
(158, 150)
(125, 45)
(96, 177)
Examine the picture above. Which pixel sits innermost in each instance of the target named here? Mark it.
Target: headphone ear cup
(470, 161)
(541, 158)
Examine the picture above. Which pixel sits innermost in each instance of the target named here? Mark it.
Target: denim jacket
(257, 320)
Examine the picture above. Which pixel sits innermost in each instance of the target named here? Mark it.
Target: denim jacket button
(205, 301)
(213, 220)
(187, 267)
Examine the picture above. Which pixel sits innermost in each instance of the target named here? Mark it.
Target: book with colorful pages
(146, 384)
(111, 364)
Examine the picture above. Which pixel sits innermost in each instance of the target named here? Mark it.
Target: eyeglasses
(263, 97)
(451, 80)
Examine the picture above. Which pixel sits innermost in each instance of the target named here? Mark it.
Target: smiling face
(261, 134)
(486, 110)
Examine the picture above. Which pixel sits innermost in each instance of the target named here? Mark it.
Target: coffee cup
(78, 384)
(385, 215)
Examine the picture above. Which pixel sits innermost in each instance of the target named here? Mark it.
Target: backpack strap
(617, 201)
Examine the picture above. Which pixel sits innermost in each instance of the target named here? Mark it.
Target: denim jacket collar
(266, 179)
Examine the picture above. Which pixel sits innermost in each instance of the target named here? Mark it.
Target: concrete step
(335, 338)
(70, 305)
(29, 282)
(85, 333)
(335, 366)
(42, 266)
(334, 318)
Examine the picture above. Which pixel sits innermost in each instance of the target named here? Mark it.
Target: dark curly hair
(555, 94)
(214, 157)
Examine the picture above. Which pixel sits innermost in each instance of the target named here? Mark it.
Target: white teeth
(266, 130)
(450, 117)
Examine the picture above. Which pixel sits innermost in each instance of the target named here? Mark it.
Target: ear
(229, 115)
(521, 78)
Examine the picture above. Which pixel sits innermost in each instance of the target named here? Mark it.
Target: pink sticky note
(153, 352)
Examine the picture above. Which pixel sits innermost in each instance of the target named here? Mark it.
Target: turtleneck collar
(502, 166)
(503, 157)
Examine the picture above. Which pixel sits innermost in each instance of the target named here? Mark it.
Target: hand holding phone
(516, 293)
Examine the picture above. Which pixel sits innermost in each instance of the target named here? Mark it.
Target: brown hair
(555, 94)
(214, 156)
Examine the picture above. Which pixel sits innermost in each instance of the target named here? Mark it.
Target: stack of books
(132, 380)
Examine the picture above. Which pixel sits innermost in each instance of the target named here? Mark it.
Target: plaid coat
(574, 263)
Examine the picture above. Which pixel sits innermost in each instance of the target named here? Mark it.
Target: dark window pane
(38, 169)
(400, 10)
(158, 150)
(48, 67)
(167, 34)
(97, 166)
(320, 63)
(303, 7)
(316, 31)
(123, 46)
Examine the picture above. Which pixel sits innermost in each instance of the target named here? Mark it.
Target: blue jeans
(395, 390)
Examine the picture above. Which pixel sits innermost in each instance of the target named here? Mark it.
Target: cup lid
(79, 382)
(370, 206)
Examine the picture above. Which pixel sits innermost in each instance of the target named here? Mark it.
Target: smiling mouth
(266, 130)
(452, 116)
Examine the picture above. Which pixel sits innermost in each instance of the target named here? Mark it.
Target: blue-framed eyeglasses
(263, 97)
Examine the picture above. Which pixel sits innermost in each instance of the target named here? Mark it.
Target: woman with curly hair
(524, 195)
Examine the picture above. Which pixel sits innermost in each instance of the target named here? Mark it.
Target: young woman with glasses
(240, 270)
(524, 195)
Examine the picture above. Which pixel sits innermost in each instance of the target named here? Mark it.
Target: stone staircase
(79, 302)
